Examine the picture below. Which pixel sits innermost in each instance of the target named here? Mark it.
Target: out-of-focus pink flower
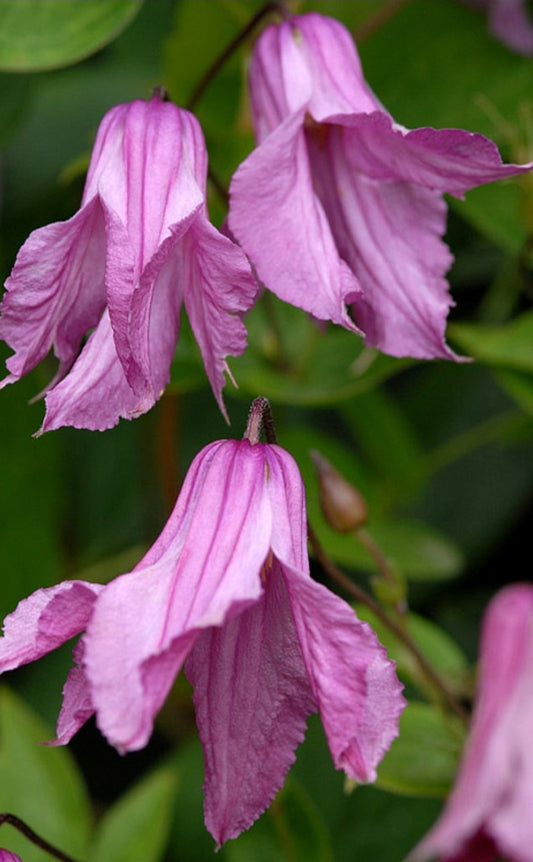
(339, 208)
(226, 590)
(509, 22)
(489, 812)
(140, 245)
(8, 856)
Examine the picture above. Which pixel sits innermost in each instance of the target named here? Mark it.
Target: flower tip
(343, 507)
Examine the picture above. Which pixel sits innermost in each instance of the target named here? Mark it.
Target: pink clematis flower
(140, 245)
(225, 590)
(488, 814)
(339, 208)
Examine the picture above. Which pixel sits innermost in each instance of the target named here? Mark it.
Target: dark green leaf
(47, 34)
(423, 760)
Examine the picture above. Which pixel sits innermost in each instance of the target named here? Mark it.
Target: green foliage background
(442, 452)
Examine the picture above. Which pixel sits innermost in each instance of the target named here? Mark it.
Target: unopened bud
(344, 508)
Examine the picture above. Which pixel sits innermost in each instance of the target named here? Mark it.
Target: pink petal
(279, 221)
(45, 620)
(252, 698)
(95, 393)
(354, 683)
(8, 856)
(55, 292)
(77, 707)
(204, 569)
(447, 160)
(218, 289)
(493, 794)
(390, 235)
(509, 21)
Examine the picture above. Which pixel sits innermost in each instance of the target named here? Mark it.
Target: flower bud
(344, 508)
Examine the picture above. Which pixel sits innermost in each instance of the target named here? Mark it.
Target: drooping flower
(225, 590)
(140, 245)
(488, 813)
(339, 208)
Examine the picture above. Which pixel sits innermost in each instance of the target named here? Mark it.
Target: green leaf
(40, 784)
(136, 828)
(292, 829)
(421, 552)
(505, 346)
(47, 34)
(423, 760)
(292, 360)
(441, 650)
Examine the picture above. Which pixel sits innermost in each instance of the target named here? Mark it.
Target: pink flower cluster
(339, 211)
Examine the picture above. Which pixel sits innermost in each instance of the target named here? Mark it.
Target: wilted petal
(252, 698)
(204, 569)
(55, 291)
(354, 683)
(278, 219)
(45, 620)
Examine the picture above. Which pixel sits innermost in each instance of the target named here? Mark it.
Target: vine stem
(241, 37)
(398, 630)
(32, 836)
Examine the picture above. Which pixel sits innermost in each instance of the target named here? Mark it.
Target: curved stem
(34, 838)
(241, 37)
(397, 629)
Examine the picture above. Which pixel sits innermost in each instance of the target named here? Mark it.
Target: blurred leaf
(520, 386)
(506, 346)
(423, 760)
(292, 829)
(421, 552)
(293, 360)
(137, 827)
(441, 650)
(45, 34)
(40, 784)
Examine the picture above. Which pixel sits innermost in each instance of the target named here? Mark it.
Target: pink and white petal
(218, 289)
(287, 499)
(95, 393)
(446, 160)
(354, 683)
(206, 570)
(55, 292)
(390, 235)
(252, 699)
(77, 707)
(149, 165)
(154, 316)
(279, 221)
(45, 620)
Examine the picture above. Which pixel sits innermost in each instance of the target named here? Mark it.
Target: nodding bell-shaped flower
(489, 812)
(119, 270)
(339, 208)
(225, 591)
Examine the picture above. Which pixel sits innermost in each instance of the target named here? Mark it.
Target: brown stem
(34, 838)
(375, 22)
(365, 598)
(241, 37)
(260, 418)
